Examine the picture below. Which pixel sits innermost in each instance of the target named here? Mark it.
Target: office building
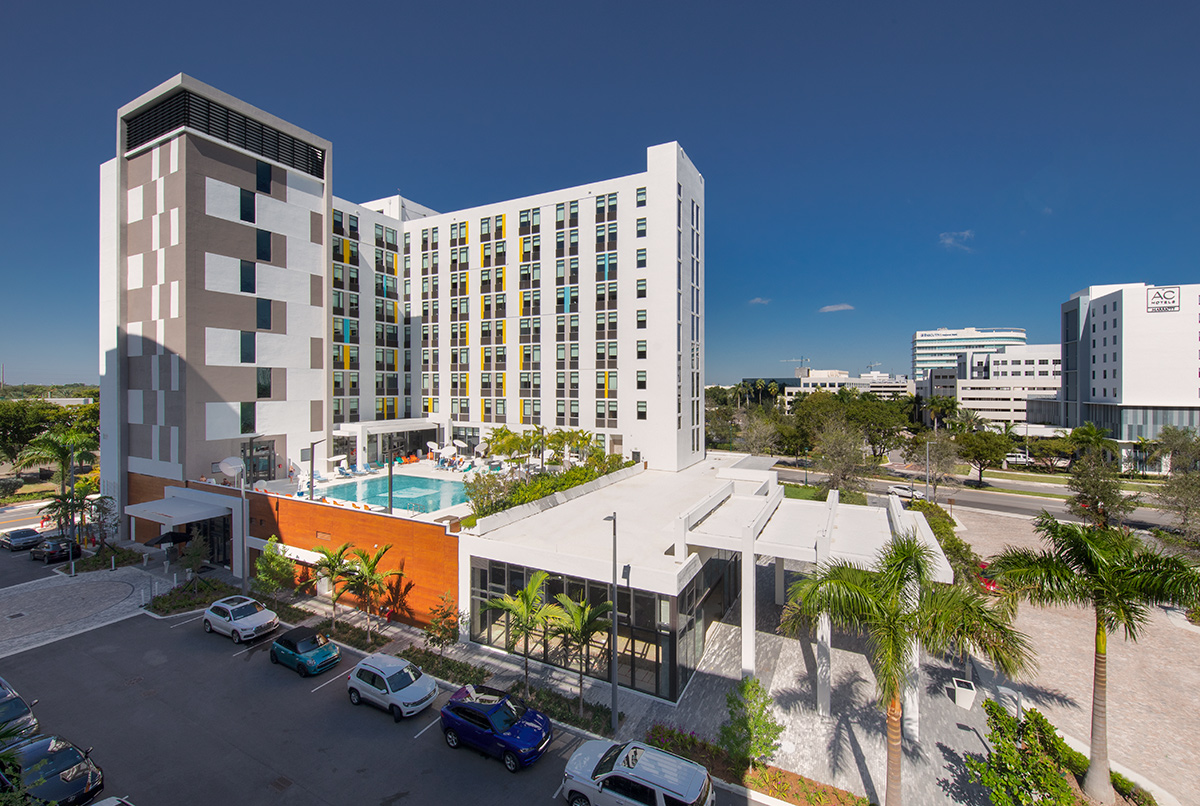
(941, 348)
(997, 385)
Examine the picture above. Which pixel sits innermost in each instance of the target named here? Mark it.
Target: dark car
(305, 650)
(498, 724)
(20, 539)
(55, 771)
(53, 549)
(16, 715)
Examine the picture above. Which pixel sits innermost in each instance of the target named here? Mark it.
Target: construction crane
(872, 366)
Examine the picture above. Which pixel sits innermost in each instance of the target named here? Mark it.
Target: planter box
(964, 693)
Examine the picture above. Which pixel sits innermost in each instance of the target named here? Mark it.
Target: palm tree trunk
(1097, 783)
(526, 664)
(581, 685)
(892, 796)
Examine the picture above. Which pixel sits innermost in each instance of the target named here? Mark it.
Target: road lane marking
(427, 727)
(333, 679)
(189, 621)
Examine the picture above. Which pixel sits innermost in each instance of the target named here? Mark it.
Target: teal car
(305, 650)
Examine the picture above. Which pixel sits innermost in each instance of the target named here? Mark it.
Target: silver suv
(606, 774)
(239, 617)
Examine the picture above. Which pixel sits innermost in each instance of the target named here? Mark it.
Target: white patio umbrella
(459, 443)
(448, 451)
(335, 459)
(433, 446)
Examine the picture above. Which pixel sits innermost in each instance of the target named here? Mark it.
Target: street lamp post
(388, 452)
(613, 622)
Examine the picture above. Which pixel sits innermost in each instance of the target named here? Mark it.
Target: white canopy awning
(177, 511)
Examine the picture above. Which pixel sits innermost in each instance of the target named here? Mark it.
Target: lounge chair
(343, 473)
(361, 470)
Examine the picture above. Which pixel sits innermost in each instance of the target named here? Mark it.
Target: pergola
(749, 514)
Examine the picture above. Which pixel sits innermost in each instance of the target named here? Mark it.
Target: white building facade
(1131, 360)
(998, 384)
(244, 311)
(941, 348)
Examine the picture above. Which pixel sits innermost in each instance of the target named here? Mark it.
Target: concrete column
(780, 589)
(824, 670)
(749, 597)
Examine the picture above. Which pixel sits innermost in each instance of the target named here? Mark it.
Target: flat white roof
(722, 500)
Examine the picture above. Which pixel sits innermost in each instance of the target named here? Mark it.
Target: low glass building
(660, 638)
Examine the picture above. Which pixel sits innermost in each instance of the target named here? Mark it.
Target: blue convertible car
(305, 650)
(497, 724)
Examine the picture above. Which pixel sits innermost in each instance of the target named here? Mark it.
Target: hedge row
(959, 554)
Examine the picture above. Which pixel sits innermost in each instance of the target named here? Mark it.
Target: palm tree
(366, 581)
(63, 448)
(940, 407)
(576, 624)
(1091, 438)
(582, 442)
(1119, 578)
(1144, 449)
(336, 566)
(527, 614)
(773, 390)
(63, 508)
(966, 420)
(760, 385)
(896, 604)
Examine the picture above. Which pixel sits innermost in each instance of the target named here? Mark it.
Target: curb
(1163, 797)
(749, 794)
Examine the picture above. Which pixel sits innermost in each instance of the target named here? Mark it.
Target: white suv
(239, 617)
(606, 774)
(391, 683)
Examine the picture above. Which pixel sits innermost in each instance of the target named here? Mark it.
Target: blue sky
(913, 165)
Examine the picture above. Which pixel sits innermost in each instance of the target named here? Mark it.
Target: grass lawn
(803, 493)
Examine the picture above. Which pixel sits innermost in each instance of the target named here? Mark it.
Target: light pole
(312, 453)
(234, 466)
(388, 452)
(613, 624)
(927, 470)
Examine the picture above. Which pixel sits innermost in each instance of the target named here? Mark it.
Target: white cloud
(1047, 211)
(841, 306)
(957, 240)
(758, 301)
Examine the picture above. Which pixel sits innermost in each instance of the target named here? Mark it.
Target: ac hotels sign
(1162, 300)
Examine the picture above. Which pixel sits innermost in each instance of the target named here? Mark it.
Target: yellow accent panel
(462, 230)
(345, 251)
(606, 384)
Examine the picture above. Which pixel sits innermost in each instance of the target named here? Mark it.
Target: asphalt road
(177, 716)
(994, 501)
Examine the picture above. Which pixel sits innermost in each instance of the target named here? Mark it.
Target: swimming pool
(408, 492)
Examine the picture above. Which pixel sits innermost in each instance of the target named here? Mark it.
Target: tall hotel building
(246, 311)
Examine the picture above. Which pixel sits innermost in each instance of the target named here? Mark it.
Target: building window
(264, 314)
(641, 410)
(641, 227)
(248, 277)
(641, 319)
(264, 382)
(248, 419)
(641, 197)
(641, 289)
(247, 205)
(641, 349)
(262, 171)
(247, 347)
(641, 258)
(641, 379)
(264, 246)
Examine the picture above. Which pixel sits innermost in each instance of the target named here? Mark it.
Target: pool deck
(426, 469)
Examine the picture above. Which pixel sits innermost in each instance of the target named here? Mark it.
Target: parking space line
(333, 679)
(248, 648)
(189, 621)
(427, 727)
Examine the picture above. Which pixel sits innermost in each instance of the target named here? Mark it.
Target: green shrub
(490, 493)
(1018, 763)
(352, 636)
(104, 559)
(562, 708)
(182, 600)
(752, 731)
(457, 672)
(10, 486)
